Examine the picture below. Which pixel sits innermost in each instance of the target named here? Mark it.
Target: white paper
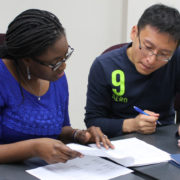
(102, 152)
(86, 168)
(141, 153)
(128, 152)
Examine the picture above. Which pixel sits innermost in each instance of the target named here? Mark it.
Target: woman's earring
(28, 73)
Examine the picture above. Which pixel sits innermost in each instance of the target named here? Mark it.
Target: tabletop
(164, 138)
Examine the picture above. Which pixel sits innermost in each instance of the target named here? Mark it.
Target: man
(144, 73)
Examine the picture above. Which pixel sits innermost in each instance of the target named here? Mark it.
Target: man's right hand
(179, 135)
(141, 123)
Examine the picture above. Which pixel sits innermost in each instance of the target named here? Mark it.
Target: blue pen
(142, 112)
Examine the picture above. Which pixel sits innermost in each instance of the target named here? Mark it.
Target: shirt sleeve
(99, 102)
(176, 56)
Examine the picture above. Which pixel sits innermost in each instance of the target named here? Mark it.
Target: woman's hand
(93, 135)
(53, 151)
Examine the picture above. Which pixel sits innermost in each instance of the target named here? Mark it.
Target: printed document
(128, 152)
(102, 152)
(139, 153)
(86, 168)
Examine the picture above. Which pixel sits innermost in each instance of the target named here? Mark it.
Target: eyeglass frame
(54, 67)
(151, 53)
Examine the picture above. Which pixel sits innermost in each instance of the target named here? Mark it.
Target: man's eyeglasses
(149, 52)
(54, 67)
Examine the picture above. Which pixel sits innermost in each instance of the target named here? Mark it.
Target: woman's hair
(30, 34)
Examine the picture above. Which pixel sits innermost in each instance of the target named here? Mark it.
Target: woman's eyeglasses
(54, 67)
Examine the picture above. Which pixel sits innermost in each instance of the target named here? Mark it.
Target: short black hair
(30, 34)
(164, 18)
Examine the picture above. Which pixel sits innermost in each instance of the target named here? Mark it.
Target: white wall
(137, 7)
(96, 27)
(91, 26)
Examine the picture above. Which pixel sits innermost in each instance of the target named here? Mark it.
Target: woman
(34, 92)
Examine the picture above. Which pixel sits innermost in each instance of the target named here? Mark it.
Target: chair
(177, 97)
(114, 47)
(2, 38)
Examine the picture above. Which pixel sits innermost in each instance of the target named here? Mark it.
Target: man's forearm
(111, 127)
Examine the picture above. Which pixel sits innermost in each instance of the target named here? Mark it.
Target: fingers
(179, 130)
(66, 152)
(107, 143)
(61, 157)
(88, 136)
(152, 118)
(150, 121)
(179, 143)
(94, 134)
(99, 138)
(145, 124)
(152, 113)
(61, 153)
(147, 130)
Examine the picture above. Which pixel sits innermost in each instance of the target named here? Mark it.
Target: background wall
(136, 7)
(91, 27)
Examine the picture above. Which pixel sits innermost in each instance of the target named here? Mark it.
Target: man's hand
(141, 123)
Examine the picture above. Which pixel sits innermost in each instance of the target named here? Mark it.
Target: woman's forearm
(17, 151)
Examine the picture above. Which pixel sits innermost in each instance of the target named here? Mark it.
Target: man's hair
(30, 34)
(166, 19)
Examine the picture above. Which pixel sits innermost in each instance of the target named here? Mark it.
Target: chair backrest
(177, 98)
(114, 47)
(2, 38)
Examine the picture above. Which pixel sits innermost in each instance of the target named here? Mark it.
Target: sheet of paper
(86, 168)
(102, 152)
(141, 152)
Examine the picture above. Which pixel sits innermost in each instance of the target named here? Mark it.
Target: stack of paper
(139, 153)
(127, 152)
(102, 152)
(86, 168)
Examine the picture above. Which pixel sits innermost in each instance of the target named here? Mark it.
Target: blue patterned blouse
(31, 118)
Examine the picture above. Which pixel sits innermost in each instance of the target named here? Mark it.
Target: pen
(142, 112)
